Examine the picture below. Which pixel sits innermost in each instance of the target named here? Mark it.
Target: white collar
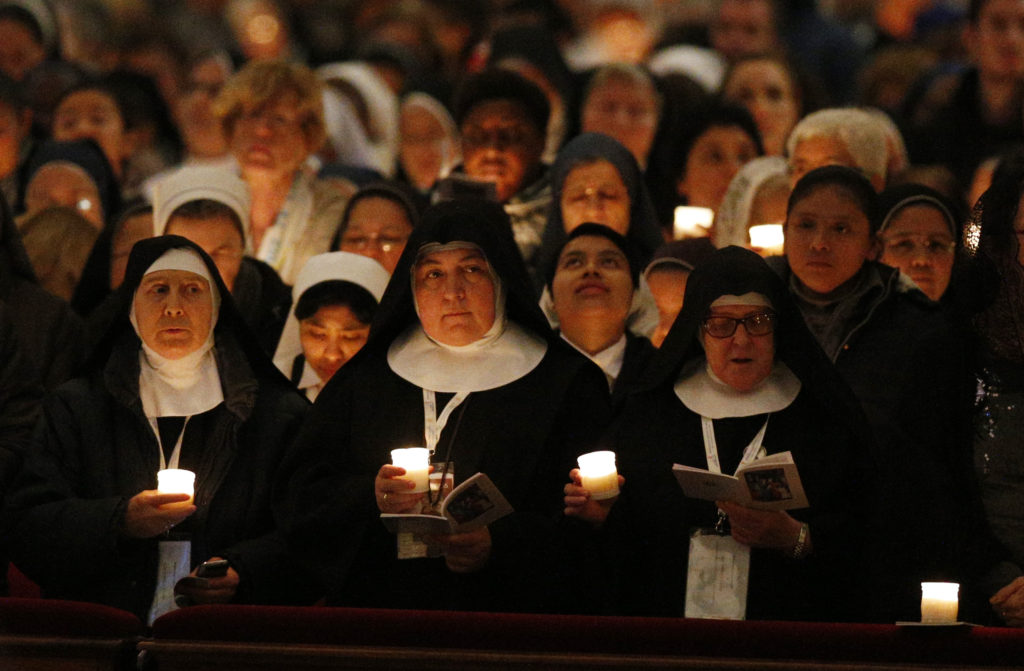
(485, 364)
(702, 392)
(609, 359)
(180, 387)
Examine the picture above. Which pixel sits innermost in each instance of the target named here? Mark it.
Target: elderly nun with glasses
(738, 378)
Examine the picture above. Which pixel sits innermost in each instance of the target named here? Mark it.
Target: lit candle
(768, 239)
(600, 478)
(691, 222)
(939, 602)
(416, 462)
(176, 481)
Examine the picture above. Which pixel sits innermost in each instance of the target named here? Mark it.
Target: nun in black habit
(739, 376)
(177, 382)
(488, 387)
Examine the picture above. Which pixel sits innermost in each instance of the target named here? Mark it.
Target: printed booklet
(768, 483)
(472, 505)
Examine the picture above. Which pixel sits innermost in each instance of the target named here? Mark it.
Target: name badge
(173, 565)
(717, 576)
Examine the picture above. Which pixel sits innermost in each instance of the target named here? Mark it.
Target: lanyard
(173, 463)
(711, 446)
(434, 425)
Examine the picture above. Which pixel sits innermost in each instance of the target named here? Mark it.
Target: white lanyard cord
(434, 425)
(177, 446)
(711, 445)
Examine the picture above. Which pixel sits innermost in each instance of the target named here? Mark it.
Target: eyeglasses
(905, 246)
(758, 324)
(275, 121)
(363, 242)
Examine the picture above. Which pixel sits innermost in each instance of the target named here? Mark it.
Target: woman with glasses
(377, 222)
(738, 377)
(272, 115)
(919, 233)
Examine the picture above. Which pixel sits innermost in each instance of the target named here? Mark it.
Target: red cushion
(20, 585)
(50, 617)
(613, 635)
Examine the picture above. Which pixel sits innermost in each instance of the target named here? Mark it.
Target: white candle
(768, 238)
(416, 462)
(939, 602)
(691, 222)
(176, 481)
(599, 475)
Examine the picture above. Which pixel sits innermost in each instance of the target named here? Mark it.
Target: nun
(596, 179)
(738, 377)
(459, 360)
(178, 382)
(210, 206)
(334, 300)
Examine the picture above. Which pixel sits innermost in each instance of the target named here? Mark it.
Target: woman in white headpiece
(334, 299)
(740, 208)
(459, 360)
(376, 105)
(429, 145)
(177, 383)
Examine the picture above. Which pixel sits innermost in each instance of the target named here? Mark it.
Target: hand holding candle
(416, 462)
(176, 481)
(939, 602)
(598, 474)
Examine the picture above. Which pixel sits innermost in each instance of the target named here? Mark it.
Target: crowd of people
(269, 242)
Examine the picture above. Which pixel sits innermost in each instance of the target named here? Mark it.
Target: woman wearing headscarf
(429, 145)
(740, 209)
(995, 287)
(920, 235)
(738, 377)
(376, 223)
(333, 302)
(595, 179)
(460, 360)
(178, 382)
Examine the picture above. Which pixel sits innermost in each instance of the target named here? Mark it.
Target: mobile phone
(214, 568)
(460, 187)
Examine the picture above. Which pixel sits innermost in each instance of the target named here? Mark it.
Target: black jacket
(94, 449)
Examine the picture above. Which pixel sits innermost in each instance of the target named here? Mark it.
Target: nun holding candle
(178, 382)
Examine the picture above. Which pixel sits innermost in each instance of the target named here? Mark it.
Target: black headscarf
(895, 198)
(736, 271)
(85, 154)
(482, 223)
(229, 321)
(993, 292)
(644, 233)
(389, 190)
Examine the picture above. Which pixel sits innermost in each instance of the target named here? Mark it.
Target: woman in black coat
(177, 382)
(714, 396)
(459, 359)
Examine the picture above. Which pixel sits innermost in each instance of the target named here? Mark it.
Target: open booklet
(768, 483)
(472, 505)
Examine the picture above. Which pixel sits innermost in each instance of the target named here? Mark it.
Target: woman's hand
(209, 590)
(151, 513)
(466, 552)
(763, 528)
(1008, 603)
(392, 491)
(579, 504)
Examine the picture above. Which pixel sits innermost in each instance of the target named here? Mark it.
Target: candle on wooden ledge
(176, 481)
(691, 222)
(939, 602)
(416, 462)
(767, 239)
(599, 475)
